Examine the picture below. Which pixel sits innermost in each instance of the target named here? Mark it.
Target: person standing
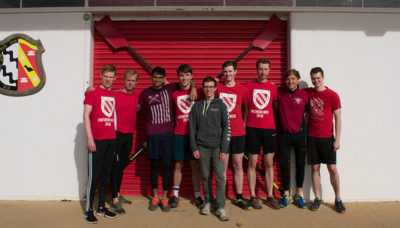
(182, 151)
(261, 131)
(209, 140)
(126, 105)
(98, 117)
(322, 143)
(236, 98)
(292, 103)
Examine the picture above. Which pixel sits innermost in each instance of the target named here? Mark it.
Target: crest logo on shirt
(317, 108)
(261, 98)
(184, 103)
(21, 69)
(229, 100)
(107, 106)
(298, 100)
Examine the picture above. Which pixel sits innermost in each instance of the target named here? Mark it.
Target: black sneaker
(173, 202)
(242, 204)
(106, 213)
(117, 207)
(316, 204)
(90, 218)
(123, 200)
(340, 206)
(199, 202)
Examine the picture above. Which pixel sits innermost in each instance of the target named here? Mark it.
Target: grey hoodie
(209, 125)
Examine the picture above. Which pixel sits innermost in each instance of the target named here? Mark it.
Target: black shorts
(320, 150)
(237, 144)
(160, 146)
(258, 137)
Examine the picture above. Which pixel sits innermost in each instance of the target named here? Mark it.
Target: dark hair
(158, 70)
(131, 72)
(229, 63)
(108, 68)
(209, 79)
(263, 61)
(292, 72)
(184, 68)
(315, 70)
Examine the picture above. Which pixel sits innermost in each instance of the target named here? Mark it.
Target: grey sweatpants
(208, 156)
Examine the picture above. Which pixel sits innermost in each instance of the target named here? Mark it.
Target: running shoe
(90, 218)
(117, 207)
(106, 213)
(222, 214)
(254, 203)
(242, 204)
(316, 204)
(206, 209)
(299, 201)
(154, 204)
(340, 206)
(164, 205)
(199, 202)
(286, 200)
(272, 203)
(173, 201)
(123, 200)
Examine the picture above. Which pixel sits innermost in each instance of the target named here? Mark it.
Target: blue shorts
(182, 148)
(160, 146)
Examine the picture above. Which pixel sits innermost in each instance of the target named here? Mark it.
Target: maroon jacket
(291, 110)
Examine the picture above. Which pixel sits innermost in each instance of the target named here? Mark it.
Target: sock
(196, 193)
(176, 191)
(239, 196)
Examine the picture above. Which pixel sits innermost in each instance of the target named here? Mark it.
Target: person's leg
(166, 174)
(253, 147)
(269, 173)
(167, 147)
(284, 160)
(237, 162)
(300, 154)
(154, 163)
(106, 165)
(116, 166)
(334, 177)
(251, 173)
(218, 168)
(204, 162)
(194, 164)
(94, 172)
(226, 164)
(177, 177)
(316, 180)
(125, 152)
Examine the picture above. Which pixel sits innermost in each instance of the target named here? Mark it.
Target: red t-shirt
(102, 115)
(126, 105)
(320, 114)
(261, 112)
(182, 105)
(234, 97)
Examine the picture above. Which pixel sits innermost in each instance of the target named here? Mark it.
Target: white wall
(360, 56)
(42, 135)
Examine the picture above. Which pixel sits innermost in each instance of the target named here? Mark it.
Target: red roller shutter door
(205, 45)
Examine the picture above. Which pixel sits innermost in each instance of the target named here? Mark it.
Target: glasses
(208, 87)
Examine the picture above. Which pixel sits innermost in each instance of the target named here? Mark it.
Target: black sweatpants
(100, 163)
(166, 172)
(299, 145)
(123, 149)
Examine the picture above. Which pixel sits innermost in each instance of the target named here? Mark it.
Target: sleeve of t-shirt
(89, 98)
(335, 102)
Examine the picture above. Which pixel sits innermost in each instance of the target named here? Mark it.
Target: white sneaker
(206, 209)
(222, 214)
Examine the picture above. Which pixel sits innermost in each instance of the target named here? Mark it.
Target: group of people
(208, 125)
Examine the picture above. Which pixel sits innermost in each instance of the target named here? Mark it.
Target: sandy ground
(70, 214)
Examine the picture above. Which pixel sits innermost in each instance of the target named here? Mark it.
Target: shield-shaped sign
(21, 69)
(261, 98)
(229, 100)
(107, 105)
(184, 103)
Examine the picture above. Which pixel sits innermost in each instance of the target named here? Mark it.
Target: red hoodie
(291, 110)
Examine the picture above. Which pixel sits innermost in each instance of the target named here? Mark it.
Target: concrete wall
(42, 135)
(360, 56)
